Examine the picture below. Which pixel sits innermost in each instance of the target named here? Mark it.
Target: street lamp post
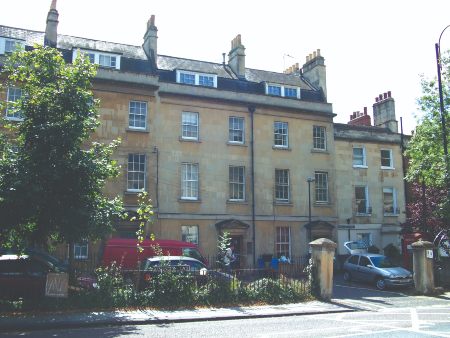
(444, 130)
(309, 180)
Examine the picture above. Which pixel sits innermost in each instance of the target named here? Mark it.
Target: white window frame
(279, 243)
(135, 114)
(189, 184)
(360, 235)
(189, 231)
(13, 118)
(282, 87)
(394, 202)
(324, 138)
(282, 185)
(232, 121)
(97, 57)
(284, 137)
(137, 171)
(3, 44)
(390, 158)
(364, 158)
(196, 75)
(366, 191)
(236, 186)
(79, 247)
(319, 189)
(186, 124)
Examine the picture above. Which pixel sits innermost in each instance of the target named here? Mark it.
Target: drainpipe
(252, 110)
(403, 162)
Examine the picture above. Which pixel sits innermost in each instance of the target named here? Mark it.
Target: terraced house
(221, 146)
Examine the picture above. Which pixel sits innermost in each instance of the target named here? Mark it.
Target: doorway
(237, 242)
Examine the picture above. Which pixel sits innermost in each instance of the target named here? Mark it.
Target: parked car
(60, 265)
(179, 264)
(23, 276)
(376, 268)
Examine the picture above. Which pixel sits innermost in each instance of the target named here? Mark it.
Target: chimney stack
(236, 57)
(150, 41)
(384, 112)
(51, 29)
(314, 70)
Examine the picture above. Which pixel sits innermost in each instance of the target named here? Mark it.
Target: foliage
(314, 282)
(52, 187)
(435, 202)
(222, 244)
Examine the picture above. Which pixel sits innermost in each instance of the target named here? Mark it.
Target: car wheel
(380, 283)
(347, 276)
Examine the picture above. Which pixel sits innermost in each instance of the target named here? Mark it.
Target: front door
(237, 241)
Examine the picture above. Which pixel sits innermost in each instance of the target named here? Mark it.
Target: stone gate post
(322, 253)
(423, 262)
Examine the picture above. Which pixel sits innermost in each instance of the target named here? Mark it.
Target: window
(389, 201)
(81, 251)
(102, 58)
(236, 130)
(364, 261)
(189, 233)
(8, 45)
(282, 90)
(199, 79)
(386, 159)
(281, 134)
(189, 181)
(136, 172)
(319, 137)
(365, 238)
(13, 111)
(274, 90)
(321, 187)
(237, 183)
(362, 201)
(138, 115)
(359, 157)
(353, 260)
(190, 126)
(282, 185)
(283, 242)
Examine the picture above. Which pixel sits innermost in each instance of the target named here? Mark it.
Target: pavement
(24, 323)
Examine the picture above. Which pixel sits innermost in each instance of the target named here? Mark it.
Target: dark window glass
(353, 260)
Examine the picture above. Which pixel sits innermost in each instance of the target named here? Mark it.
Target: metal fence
(442, 272)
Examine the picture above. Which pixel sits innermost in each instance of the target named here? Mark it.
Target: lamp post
(444, 130)
(309, 180)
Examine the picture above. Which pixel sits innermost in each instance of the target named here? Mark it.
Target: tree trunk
(71, 264)
(424, 208)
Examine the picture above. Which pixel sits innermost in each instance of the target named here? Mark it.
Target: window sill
(281, 148)
(363, 215)
(283, 203)
(236, 144)
(360, 166)
(323, 151)
(15, 119)
(127, 192)
(323, 205)
(137, 130)
(390, 215)
(189, 140)
(387, 168)
(236, 202)
(183, 200)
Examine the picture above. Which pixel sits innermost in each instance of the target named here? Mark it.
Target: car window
(364, 261)
(11, 268)
(382, 262)
(193, 253)
(195, 266)
(35, 268)
(353, 259)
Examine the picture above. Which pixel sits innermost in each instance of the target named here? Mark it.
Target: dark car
(61, 265)
(191, 267)
(23, 276)
(377, 269)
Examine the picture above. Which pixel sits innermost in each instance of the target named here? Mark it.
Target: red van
(124, 251)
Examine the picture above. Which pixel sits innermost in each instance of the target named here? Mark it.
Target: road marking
(356, 287)
(414, 319)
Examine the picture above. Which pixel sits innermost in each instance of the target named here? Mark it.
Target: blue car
(58, 263)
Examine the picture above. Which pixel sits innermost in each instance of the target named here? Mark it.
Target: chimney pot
(351, 117)
(307, 58)
(310, 56)
(380, 97)
(318, 52)
(389, 94)
(376, 99)
(314, 53)
(354, 114)
(298, 67)
(385, 96)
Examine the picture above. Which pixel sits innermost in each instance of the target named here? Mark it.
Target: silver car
(376, 268)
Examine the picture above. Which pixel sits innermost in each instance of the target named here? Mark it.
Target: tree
(51, 188)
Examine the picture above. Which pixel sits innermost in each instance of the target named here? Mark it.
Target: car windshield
(382, 262)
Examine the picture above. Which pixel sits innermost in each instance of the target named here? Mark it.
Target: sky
(370, 47)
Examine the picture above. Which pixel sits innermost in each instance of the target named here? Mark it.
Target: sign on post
(57, 285)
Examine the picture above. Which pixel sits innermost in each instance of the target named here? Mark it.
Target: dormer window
(7, 45)
(199, 79)
(282, 90)
(106, 60)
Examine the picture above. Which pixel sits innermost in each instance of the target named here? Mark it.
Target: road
(377, 314)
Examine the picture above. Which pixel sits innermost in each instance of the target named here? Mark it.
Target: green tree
(51, 187)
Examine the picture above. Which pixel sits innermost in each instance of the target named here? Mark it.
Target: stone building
(221, 146)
